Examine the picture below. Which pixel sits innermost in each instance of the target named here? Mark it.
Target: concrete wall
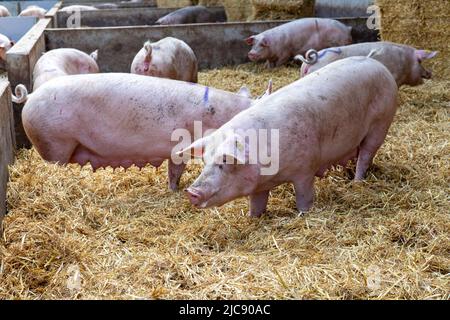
(7, 142)
(20, 61)
(215, 44)
(119, 17)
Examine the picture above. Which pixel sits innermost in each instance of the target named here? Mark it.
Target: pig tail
(21, 94)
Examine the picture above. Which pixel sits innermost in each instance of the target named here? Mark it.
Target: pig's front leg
(270, 64)
(258, 203)
(304, 193)
(175, 172)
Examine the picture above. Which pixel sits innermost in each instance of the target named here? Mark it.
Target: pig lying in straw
(33, 11)
(80, 119)
(404, 62)
(78, 8)
(168, 58)
(57, 63)
(321, 120)
(192, 14)
(278, 45)
(4, 12)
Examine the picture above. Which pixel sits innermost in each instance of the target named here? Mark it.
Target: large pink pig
(62, 62)
(119, 119)
(4, 12)
(5, 45)
(278, 45)
(33, 11)
(168, 58)
(323, 119)
(404, 62)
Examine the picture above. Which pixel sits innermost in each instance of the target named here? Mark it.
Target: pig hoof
(255, 214)
(302, 213)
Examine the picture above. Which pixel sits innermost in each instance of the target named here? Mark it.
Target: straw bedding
(72, 233)
(422, 24)
(282, 9)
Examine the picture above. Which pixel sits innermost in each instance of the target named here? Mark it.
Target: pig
(77, 8)
(117, 119)
(33, 11)
(5, 45)
(404, 62)
(4, 12)
(107, 6)
(278, 45)
(61, 62)
(192, 14)
(168, 58)
(321, 120)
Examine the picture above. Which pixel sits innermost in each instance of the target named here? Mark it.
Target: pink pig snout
(253, 56)
(195, 196)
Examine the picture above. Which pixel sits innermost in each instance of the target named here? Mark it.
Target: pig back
(326, 114)
(109, 107)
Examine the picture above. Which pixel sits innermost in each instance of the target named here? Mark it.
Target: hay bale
(237, 10)
(210, 3)
(175, 3)
(282, 9)
(423, 25)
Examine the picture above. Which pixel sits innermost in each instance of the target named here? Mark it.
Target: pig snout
(195, 196)
(427, 74)
(253, 56)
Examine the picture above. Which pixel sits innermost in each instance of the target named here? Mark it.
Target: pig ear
(250, 40)
(148, 47)
(265, 42)
(425, 54)
(197, 147)
(232, 151)
(245, 92)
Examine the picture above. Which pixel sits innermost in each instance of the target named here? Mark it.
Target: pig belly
(83, 155)
(343, 162)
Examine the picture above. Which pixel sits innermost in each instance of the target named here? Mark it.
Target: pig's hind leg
(367, 150)
(304, 193)
(175, 172)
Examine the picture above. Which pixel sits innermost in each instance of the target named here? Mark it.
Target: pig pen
(74, 234)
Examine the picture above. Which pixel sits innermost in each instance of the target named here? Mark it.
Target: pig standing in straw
(326, 118)
(278, 45)
(168, 58)
(80, 119)
(404, 62)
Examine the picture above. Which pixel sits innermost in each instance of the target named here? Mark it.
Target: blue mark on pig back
(206, 95)
(324, 52)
